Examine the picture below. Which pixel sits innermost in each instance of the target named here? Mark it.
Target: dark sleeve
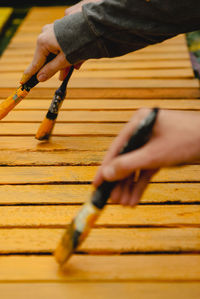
(110, 28)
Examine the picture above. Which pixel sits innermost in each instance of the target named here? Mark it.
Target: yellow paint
(7, 105)
(45, 129)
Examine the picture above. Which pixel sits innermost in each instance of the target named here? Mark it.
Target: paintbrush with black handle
(80, 226)
(49, 121)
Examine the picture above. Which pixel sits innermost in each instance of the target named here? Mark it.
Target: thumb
(51, 68)
(123, 166)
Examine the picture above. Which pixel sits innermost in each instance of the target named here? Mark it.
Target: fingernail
(24, 78)
(109, 172)
(42, 77)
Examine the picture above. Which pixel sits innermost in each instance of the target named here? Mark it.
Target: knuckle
(41, 40)
(45, 27)
(34, 66)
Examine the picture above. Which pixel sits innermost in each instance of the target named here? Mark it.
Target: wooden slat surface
(105, 240)
(101, 290)
(131, 252)
(114, 216)
(158, 268)
(76, 194)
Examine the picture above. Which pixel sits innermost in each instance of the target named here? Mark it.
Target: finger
(140, 186)
(127, 190)
(52, 67)
(78, 65)
(63, 73)
(38, 61)
(119, 142)
(117, 192)
(122, 166)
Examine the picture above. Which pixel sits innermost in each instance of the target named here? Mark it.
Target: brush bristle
(45, 129)
(65, 247)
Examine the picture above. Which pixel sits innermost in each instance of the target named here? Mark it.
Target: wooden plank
(83, 174)
(26, 143)
(102, 268)
(63, 129)
(10, 81)
(104, 240)
(7, 129)
(135, 74)
(71, 116)
(101, 290)
(113, 216)
(112, 92)
(54, 158)
(5, 13)
(28, 47)
(76, 194)
(106, 104)
(6, 65)
(51, 158)
(10, 53)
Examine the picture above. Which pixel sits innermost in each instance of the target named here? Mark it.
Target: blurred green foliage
(193, 39)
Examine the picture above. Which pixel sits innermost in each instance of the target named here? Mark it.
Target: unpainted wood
(113, 216)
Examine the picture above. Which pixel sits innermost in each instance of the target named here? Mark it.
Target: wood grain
(101, 290)
(151, 268)
(104, 240)
(75, 194)
(85, 174)
(113, 216)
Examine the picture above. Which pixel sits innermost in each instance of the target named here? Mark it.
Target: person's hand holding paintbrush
(46, 44)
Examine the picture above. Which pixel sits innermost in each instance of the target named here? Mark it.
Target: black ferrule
(102, 193)
(33, 81)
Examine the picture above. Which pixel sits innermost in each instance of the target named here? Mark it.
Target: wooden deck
(151, 251)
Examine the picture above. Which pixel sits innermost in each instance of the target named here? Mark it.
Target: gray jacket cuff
(77, 39)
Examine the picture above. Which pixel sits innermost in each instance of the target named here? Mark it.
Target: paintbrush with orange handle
(49, 121)
(21, 92)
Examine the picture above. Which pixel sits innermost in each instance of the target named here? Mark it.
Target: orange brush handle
(11, 102)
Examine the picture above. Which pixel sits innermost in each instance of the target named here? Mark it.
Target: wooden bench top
(151, 251)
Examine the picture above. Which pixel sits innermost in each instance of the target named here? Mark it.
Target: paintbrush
(49, 121)
(80, 226)
(21, 92)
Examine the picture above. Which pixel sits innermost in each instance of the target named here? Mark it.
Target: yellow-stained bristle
(45, 129)
(62, 254)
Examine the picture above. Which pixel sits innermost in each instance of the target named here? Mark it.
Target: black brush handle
(59, 96)
(139, 138)
(33, 81)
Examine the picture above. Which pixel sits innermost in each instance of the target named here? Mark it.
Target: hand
(175, 141)
(46, 44)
